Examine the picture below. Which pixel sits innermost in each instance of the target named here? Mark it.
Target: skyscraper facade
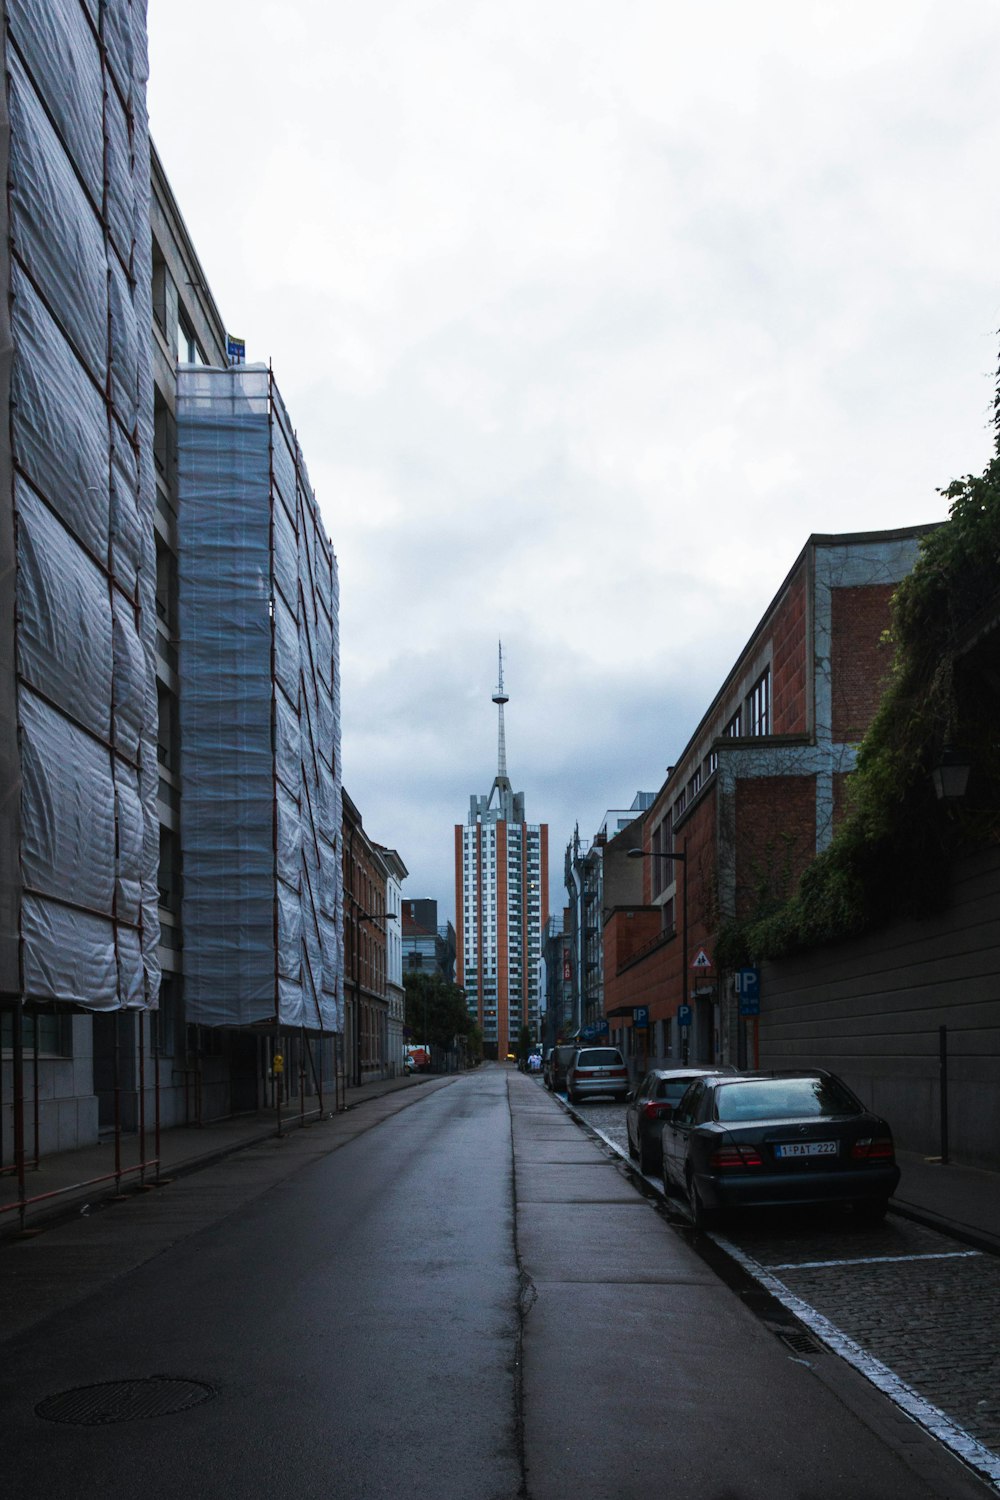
(501, 905)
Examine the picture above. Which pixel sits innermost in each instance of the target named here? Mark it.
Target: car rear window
(673, 1089)
(600, 1057)
(784, 1099)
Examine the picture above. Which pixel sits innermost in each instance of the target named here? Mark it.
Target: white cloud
(587, 317)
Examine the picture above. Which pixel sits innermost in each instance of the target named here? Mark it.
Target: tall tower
(501, 905)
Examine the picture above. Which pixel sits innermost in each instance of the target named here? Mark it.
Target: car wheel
(647, 1157)
(871, 1210)
(704, 1218)
(631, 1149)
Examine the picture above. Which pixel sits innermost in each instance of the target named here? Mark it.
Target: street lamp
(680, 854)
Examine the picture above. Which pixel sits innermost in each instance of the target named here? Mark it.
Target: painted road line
(872, 1260)
(930, 1417)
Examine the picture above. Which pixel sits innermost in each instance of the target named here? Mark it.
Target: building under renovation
(170, 867)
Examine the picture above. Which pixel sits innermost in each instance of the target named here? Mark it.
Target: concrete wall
(871, 1011)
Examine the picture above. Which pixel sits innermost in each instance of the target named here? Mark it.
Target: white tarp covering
(259, 714)
(83, 496)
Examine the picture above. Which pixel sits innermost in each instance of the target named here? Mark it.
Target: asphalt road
(468, 1301)
(358, 1323)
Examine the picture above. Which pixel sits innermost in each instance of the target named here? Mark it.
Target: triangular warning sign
(701, 960)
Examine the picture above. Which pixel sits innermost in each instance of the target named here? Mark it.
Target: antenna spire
(500, 698)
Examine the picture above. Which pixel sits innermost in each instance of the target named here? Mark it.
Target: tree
(435, 1010)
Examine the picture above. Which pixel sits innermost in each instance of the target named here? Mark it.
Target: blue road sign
(640, 1015)
(748, 989)
(684, 1015)
(602, 1028)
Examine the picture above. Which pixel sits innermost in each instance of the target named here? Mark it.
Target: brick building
(366, 993)
(753, 798)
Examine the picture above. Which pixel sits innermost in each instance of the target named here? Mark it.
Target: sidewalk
(964, 1201)
(87, 1175)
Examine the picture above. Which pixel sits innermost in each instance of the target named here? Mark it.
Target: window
(159, 289)
(759, 704)
(712, 763)
(188, 349)
(55, 1033)
(734, 728)
(658, 875)
(694, 786)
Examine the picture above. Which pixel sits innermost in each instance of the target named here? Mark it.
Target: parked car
(596, 1070)
(556, 1063)
(765, 1139)
(649, 1107)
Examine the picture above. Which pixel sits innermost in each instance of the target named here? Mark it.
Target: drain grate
(124, 1401)
(801, 1343)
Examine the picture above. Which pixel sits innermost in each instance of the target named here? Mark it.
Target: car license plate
(806, 1148)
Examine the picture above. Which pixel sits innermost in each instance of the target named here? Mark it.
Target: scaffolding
(79, 832)
(261, 791)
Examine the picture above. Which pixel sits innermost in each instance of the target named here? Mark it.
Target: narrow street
(469, 1300)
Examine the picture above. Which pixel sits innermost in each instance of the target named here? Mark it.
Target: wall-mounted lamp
(951, 775)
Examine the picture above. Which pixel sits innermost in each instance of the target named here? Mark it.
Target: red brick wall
(625, 932)
(775, 836)
(859, 664)
(459, 908)
(788, 660)
(645, 983)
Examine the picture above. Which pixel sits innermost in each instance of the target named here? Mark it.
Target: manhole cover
(124, 1400)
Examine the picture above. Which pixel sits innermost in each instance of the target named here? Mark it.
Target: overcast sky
(588, 314)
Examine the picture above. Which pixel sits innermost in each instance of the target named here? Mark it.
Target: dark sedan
(649, 1107)
(779, 1138)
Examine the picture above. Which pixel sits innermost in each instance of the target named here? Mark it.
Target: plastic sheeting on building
(82, 492)
(258, 606)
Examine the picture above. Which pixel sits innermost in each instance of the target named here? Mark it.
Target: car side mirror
(630, 1096)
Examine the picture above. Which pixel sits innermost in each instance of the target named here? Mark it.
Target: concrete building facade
(584, 877)
(395, 993)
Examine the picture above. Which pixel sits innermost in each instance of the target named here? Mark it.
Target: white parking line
(930, 1417)
(872, 1260)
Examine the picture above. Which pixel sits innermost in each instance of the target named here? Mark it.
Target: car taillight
(874, 1148)
(730, 1158)
(653, 1111)
(618, 1073)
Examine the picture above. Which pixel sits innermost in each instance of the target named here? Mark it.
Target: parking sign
(748, 989)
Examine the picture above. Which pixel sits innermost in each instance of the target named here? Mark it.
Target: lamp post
(680, 854)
